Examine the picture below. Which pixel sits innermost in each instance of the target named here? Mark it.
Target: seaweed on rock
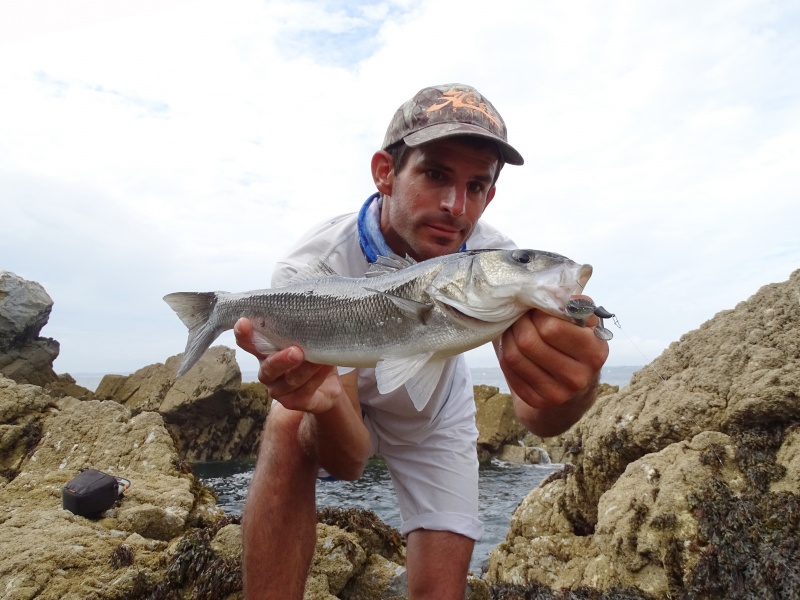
(195, 568)
(749, 542)
(537, 591)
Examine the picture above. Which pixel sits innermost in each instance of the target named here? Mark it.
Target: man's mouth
(444, 229)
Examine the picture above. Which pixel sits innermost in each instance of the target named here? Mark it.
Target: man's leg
(279, 522)
(437, 563)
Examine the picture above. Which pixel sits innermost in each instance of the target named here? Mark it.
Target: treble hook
(601, 331)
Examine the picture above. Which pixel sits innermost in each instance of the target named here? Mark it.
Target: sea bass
(404, 318)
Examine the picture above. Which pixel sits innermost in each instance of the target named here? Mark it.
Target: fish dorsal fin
(389, 264)
(417, 310)
(316, 269)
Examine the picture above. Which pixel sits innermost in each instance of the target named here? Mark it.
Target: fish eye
(522, 256)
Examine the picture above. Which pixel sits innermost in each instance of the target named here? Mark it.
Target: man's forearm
(342, 440)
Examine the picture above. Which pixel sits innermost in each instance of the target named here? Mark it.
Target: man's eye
(475, 187)
(435, 175)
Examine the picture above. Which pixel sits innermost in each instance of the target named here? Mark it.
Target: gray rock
(24, 310)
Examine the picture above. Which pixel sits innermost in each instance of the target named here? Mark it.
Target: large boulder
(24, 310)
(48, 552)
(495, 419)
(212, 414)
(684, 483)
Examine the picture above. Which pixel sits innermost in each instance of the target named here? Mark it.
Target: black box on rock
(90, 493)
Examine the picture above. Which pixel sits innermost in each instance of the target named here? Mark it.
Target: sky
(148, 147)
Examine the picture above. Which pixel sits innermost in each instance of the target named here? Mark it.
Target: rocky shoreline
(682, 488)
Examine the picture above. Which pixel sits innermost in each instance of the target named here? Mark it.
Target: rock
(560, 447)
(24, 310)
(522, 455)
(788, 458)
(675, 484)
(32, 363)
(380, 578)
(21, 411)
(497, 424)
(337, 558)
(499, 430)
(208, 410)
(48, 552)
(66, 385)
(357, 557)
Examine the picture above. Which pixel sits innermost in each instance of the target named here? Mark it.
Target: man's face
(432, 205)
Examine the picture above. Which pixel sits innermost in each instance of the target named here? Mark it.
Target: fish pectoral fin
(418, 310)
(419, 373)
(262, 343)
(421, 387)
(392, 372)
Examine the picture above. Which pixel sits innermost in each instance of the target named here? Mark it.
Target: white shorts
(431, 454)
(436, 478)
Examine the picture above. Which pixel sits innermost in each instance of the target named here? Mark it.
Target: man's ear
(383, 172)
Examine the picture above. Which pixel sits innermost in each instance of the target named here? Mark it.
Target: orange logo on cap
(468, 100)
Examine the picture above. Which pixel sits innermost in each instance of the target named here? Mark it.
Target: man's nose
(455, 201)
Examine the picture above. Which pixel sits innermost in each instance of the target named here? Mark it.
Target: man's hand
(333, 430)
(552, 367)
(290, 379)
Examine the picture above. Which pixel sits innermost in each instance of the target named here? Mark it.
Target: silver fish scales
(404, 318)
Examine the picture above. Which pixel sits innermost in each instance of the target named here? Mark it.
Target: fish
(404, 318)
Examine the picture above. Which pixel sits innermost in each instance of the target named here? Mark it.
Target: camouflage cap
(448, 110)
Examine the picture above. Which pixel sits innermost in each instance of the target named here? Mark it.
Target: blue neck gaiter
(370, 237)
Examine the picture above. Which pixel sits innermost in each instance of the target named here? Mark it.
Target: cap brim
(446, 130)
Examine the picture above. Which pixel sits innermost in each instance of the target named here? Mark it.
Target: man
(435, 175)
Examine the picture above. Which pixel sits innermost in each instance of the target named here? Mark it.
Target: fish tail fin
(196, 310)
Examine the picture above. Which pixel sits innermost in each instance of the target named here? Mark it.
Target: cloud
(156, 147)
